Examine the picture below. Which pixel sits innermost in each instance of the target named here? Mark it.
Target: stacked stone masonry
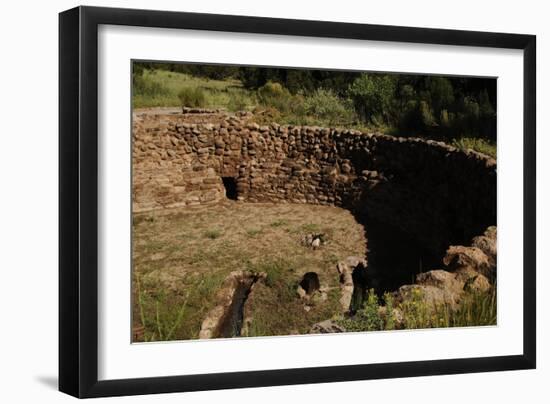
(435, 192)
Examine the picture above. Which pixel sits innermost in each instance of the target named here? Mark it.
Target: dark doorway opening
(230, 185)
(310, 283)
(360, 288)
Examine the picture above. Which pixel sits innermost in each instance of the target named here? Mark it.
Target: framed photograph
(251, 201)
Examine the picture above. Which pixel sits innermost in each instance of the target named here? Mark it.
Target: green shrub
(416, 312)
(372, 96)
(441, 93)
(192, 97)
(475, 309)
(327, 107)
(275, 95)
(366, 319)
(142, 86)
(272, 89)
(389, 319)
(237, 101)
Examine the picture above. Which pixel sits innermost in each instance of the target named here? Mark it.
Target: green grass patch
(311, 228)
(279, 223)
(253, 232)
(475, 309)
(479, 145)
(160, 88)
(192, 97)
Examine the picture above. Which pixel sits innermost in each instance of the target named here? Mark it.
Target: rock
(326, 327)
(345, 269)
(213, 323)
(473, 281)
(431, 295)
(313, 240)
(441, 279)
(459, 257)
(346, 168)
(488, 244)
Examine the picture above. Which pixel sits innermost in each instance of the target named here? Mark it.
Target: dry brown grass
(181, 257)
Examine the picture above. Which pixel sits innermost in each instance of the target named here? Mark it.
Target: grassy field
(181, 258)
(161, 88)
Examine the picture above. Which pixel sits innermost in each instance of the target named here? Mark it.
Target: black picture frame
(78, 201)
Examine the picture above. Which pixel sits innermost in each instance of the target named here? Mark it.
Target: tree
(372, 96)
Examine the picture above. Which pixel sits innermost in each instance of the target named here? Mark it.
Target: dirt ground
(181, 257)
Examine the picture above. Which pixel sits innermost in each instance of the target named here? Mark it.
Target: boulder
(326, 327)
(458, 257)
(345, 269)
(488, 244)
(441, 279)
(431, 295)
(472, 280)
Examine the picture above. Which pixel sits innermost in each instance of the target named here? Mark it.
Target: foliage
(158, 325)
(416, 312)
(238, 101)
(389, 318)
(192, 97)
(476, 308)
(274, 95)
(146, 88)
(327, 106)
(480, 145)
(367, 318)
(372, 96)
(436, 107)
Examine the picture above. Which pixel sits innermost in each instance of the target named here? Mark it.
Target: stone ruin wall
(433, 191)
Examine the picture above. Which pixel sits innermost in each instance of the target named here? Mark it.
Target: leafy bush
(148, 88)
(435, 107)
(192, 97)
(275, 95)
(237, 101)
(441, 94)
(475, 309)
(366, 319)
(416, 313)
(325, 105)
(372, 96)
(389, 317)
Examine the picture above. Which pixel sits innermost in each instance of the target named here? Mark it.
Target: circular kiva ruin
(416, 199)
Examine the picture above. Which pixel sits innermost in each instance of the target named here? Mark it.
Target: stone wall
(435, 192)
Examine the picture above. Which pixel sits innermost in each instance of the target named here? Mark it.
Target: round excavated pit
(413, 197)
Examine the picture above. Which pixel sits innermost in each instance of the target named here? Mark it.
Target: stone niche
(434, 193)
